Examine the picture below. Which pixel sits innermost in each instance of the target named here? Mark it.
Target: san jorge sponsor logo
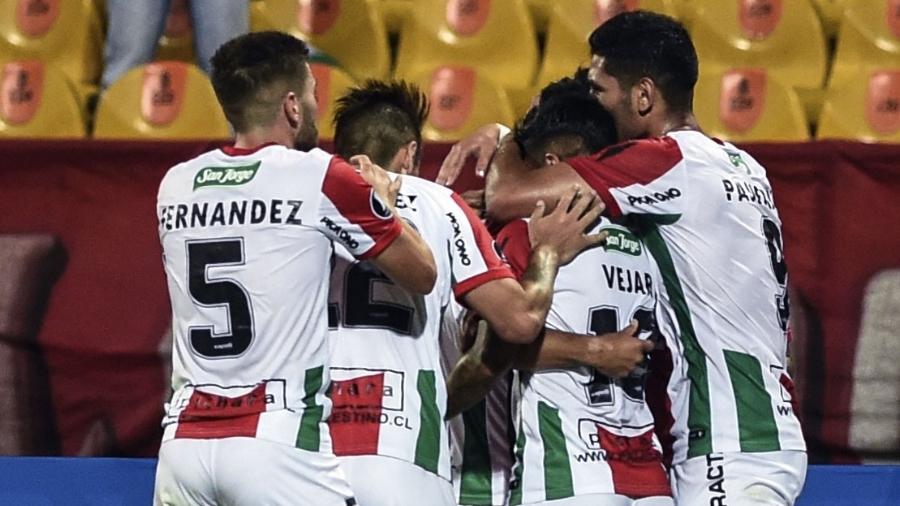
(225, 176)
(623, 242)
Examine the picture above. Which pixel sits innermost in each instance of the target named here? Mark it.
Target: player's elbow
(521, 328)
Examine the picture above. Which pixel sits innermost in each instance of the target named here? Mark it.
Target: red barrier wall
(108, 313)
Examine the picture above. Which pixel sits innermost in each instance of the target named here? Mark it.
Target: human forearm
(473, 376)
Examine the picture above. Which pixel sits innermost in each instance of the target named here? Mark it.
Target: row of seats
(174, 100)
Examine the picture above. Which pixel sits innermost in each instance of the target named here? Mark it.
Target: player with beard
(389, 391)
(247, 233)
(709, 219)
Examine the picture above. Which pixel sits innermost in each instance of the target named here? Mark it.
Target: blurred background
(99, 98)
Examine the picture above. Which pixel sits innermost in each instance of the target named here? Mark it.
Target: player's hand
(482, 145)
(379, 179)
(618, 354)
(563, 229)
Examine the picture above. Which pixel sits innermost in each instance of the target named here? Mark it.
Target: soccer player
(709, 219)
(247, 233)
(389, 391)
(583, 437)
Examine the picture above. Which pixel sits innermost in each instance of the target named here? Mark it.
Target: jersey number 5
(229, 293)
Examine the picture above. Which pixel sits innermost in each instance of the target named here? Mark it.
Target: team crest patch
(623, 242)
(225, 176)
(378, 207)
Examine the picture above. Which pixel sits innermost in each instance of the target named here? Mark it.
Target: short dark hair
(646, 44)
(378, 118)
(568, 121)
(251, 74)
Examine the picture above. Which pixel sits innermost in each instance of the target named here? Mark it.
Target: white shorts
(605, 500)
(739, 479)
(385, 481)
(247, 471)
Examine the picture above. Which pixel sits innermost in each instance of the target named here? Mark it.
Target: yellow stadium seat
(37, 100)
(66, 34)
(395, 13)
(162, 100)
(331, 84)
(864, 109)
(783, 36)
(177, 41)
(462, 100)
(572, 22)
(351, 31)
(749, 105)
(495, 36)
(869, 37)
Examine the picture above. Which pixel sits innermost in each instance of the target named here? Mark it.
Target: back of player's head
(567, 121)
(252, 73)
(646, 44)
(379, 118)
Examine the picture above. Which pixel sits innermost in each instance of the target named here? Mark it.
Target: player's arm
(513, 187)
(516, 310)
(358, 211)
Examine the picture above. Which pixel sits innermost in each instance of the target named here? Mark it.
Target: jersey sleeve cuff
(384, 241)
(466, 286)
(585, 168)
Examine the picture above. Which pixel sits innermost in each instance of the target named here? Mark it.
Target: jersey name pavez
(388, 390)
(247, 239)
(580, 432)
(708, 217)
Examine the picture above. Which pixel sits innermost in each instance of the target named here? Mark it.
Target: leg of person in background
(134, 29)
(216, 22)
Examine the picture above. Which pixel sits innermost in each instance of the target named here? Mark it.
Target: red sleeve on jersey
(633, 162)
(516, 245)
(355, 199)
(496, 268)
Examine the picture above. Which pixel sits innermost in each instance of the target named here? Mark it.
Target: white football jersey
(579, 431)
(247, 237)
(388, 391)
(481, 439)
(708, 216)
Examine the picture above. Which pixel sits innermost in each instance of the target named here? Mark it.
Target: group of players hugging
(348, 333)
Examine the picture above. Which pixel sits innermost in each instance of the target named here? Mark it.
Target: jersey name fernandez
(388, 390)
(247, 239)
(708, 217)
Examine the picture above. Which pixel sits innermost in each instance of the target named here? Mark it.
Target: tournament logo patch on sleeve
(379, 208)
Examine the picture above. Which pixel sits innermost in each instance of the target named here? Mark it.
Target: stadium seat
(863, 109)
(462, 100)
(67, 34)
(869, 37)
(37, 100)
(177, 41)
(749, 105)
(395, 13)
(570, 25)
(351, 31)
(162, 100)
(331, 84)
(783, 36)
(494, 36)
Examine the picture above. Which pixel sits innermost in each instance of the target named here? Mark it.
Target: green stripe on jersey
(756, 419)
(308, 437)
(428, 444)
(699, 430)
(475, 483)
(557, 470)
(515, 496)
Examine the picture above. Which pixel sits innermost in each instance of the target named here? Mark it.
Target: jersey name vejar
(237, 212)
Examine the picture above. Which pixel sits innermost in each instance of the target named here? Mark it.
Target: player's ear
(643, 96)
(409, 163)
(551, 159)
(292, 110)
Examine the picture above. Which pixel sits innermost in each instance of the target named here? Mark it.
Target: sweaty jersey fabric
(247, 239)
(389, 390)
(708, 217)
(579, 431)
